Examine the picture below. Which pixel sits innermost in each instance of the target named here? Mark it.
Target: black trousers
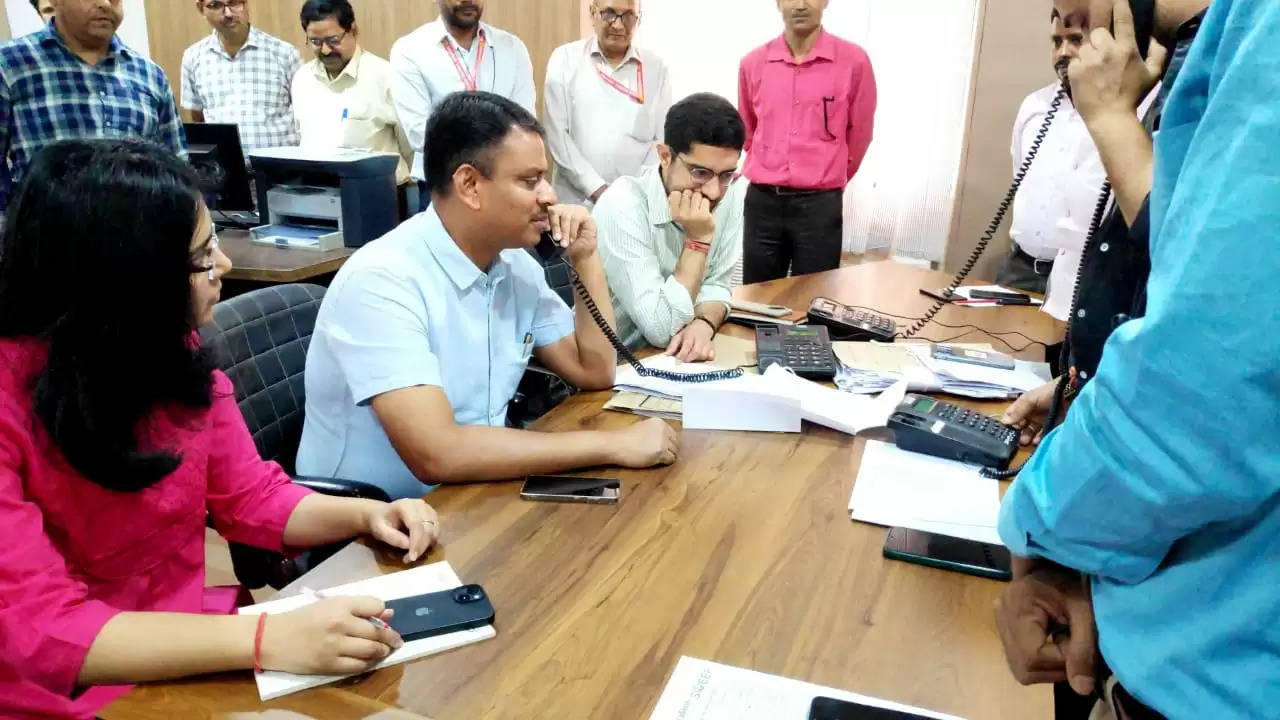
(790, 234)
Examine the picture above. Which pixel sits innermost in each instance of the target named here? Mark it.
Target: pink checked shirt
(808, 124)
(73, 554)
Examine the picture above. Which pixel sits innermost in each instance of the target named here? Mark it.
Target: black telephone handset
(932, 427)
(547, 250)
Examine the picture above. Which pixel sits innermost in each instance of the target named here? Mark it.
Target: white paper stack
(977, 381)
(896, 488)
(872, 367)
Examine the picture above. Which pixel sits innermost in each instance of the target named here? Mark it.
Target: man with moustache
(241, 75)
(455, 52)
(74, 78)
(605, 102)
(808, 100)
(342, 98)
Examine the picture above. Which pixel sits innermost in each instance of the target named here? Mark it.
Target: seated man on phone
(425, 332)
(671, 237)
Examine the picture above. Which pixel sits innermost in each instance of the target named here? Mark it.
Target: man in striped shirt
(671, 237)
(74, 78)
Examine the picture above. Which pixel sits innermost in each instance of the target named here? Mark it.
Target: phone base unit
(949, 553)
(806, 349)
(846, 323)
(441, 613)
(932, 427)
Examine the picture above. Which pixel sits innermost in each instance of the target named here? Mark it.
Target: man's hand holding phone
(691, 210)
(573, 229)
(1110, 78)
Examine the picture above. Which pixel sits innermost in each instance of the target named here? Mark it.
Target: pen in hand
(318, 595)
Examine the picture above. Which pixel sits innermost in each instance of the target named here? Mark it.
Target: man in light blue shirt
(425, 332)
(1162, 487)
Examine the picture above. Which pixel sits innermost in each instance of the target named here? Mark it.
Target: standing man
(74, 78)
(808, 100)
(425, 333)
(342, 98)
(45, 8)
(456, 52)
(605, 104)
(241, 75)
(671, 237)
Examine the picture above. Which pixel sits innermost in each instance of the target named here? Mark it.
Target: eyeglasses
(333, 41)
(701, 176)
(205, 261)
(220, 5)
(608, 17)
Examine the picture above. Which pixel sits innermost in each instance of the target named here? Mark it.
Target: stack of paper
(871, 367)
(407, 583)
(896, 488)
(704, 690)
(646, 405)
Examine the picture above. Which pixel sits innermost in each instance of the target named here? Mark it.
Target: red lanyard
(638, 94)
(469, 80)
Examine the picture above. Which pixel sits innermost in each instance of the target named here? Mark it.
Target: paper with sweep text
(704, 690)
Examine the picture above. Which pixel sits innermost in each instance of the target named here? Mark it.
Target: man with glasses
(241, 75)
(456, 52)
(343, 98)
(671, 238)
(809, 101)
(605, 102)
(74, 78)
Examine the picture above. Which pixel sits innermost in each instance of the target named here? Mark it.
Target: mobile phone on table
(826, 708)
(562, 488)
(940, 294)
(1011, 298)
(441, 613)
(985, 358)
(949, 553)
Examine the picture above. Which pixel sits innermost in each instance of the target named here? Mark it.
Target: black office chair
(260, 341)
(540, 390)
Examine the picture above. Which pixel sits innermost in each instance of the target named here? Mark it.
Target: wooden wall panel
(543, 25)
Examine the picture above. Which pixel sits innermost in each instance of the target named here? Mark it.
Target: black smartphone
(441, 613)
(825, 708)
(1144, 22)
(949, 553)
(940, 294)
(1018, 298)
(561, 488)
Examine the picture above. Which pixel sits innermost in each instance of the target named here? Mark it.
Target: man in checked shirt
(74, 78)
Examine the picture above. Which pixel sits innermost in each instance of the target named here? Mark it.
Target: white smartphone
(561, 488)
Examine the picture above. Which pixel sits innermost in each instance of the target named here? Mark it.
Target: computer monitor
(215, 150)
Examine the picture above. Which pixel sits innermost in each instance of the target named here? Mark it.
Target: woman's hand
(329, 637)
(411, 525)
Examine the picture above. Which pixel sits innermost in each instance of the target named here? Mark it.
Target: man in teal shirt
(1162, 487)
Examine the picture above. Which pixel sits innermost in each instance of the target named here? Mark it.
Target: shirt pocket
(510, 364)
(830, 117)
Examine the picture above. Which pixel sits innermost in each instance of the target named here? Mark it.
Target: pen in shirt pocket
(345, 112)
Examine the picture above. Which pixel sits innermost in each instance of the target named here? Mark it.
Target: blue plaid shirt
(49, 94)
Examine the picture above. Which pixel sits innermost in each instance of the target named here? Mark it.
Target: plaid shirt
(252, 90)
(49, 94)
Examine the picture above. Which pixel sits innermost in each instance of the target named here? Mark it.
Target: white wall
(922, 53)
(23, 19)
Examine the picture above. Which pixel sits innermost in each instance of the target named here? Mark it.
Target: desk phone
(932, 427)
(806, 349)
(846, 323)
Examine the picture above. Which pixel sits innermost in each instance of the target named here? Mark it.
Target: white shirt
(596, 132)
(411, 309)
(423, 73)
(1055, 205)
(640, 247)
(353, 110)
(251, 90)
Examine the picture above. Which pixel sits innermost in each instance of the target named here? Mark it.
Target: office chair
(540, 390)
(260, 341)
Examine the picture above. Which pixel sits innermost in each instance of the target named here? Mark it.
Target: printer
(324, 199)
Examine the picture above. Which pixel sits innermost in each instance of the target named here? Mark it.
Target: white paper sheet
(736, 408)
(964, 293)
(425, 579)
(896, 488)
(704, 690)
(832, 408)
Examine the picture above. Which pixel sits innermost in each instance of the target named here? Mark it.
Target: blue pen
(344, 113)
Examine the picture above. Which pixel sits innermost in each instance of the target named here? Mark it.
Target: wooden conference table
(266, 264)
(741, 553)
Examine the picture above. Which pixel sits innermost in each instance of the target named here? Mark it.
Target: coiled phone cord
(626, 353)
(1061, 387)
(996, 221)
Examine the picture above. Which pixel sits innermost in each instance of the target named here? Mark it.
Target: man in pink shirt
(808, 100)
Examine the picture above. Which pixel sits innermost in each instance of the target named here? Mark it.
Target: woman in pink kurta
(117, 439)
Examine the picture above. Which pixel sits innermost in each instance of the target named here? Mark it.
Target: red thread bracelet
(696, 246)
(257, 643)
